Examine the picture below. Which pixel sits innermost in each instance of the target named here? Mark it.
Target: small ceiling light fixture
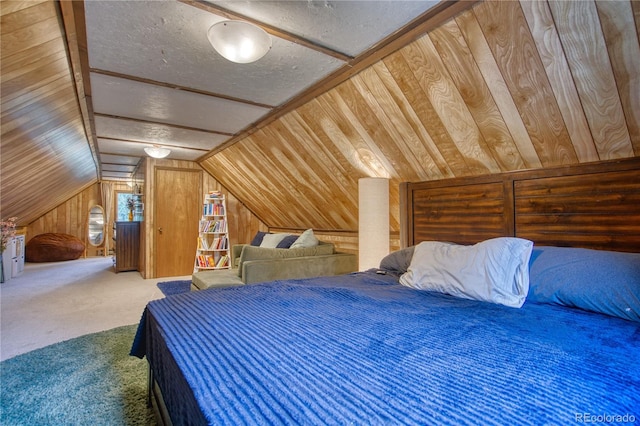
(239, 41)
(157, 151)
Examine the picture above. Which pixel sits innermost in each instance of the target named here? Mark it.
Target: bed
(371, 348)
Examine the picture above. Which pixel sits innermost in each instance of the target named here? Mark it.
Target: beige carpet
(52, 302)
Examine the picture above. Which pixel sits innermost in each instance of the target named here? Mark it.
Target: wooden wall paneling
(300, 182)
(352, 138)
(488, 67)
(70, 217)
(583, 42)
(342, 162)
(42, 138)
(266, 177)
(46, 57)
(462, 69)
(437, 140)
(549, 46)
(506, 30)
(624, 53)
(43, 26)
(361, 118)
(408, 132)
(441, 91)
(9, 7)
(328, 169)
(243, 224)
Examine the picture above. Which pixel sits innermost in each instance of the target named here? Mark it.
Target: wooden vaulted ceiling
(44, 154)
(502, 86)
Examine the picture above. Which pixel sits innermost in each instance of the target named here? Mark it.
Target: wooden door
(178, 194)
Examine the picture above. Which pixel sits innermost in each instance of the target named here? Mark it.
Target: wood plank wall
(71, 217)
(504, 86)
(46, 159)
(243, 224)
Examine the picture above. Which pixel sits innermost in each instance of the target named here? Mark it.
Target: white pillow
(495, 270)
(272, 240)
(306, 239)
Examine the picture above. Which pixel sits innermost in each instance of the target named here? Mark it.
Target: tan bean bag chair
(52, 247)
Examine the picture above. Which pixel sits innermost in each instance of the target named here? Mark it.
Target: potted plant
(8, 231)
(130, 205)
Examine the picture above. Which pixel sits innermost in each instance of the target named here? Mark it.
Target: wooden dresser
(126, 237)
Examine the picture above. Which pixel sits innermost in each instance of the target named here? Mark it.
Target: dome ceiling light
(157, 151)
(239, 41)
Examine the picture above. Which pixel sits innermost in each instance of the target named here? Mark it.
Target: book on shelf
(223, 261)
(213, 209)
(219, 243)
(213, 226)
(209, 261)
(203, 244)
(213, 240)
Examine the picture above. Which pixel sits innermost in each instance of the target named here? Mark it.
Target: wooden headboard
(594, 205)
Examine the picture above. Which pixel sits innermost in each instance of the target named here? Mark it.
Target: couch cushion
(263, 253)
(219, 278)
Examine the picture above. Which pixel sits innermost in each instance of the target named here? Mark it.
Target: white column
(373, 221)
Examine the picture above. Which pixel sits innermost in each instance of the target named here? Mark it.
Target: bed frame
(594, 205)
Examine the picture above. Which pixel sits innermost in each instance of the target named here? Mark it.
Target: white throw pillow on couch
(306, 239)
(495, 270)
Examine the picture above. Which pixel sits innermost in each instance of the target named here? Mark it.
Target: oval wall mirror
(96, 225)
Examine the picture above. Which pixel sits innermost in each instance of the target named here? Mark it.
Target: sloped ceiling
(151, 77)
(503, 86)
(45, 157)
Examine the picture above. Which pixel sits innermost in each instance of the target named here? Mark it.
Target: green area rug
(89, 380)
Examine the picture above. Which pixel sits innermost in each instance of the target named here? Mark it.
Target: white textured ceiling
(349, 27)
(155, 79)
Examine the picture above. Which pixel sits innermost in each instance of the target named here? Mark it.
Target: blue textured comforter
(361, 349)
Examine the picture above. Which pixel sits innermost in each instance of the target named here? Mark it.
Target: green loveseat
(259, 264)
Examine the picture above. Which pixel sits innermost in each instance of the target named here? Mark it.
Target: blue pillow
(257, 239)
(594, 280)
(287, 241)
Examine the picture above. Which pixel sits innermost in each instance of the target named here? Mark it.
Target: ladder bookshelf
(213, 236)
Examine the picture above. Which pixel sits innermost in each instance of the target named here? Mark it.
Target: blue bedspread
(361, 349)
